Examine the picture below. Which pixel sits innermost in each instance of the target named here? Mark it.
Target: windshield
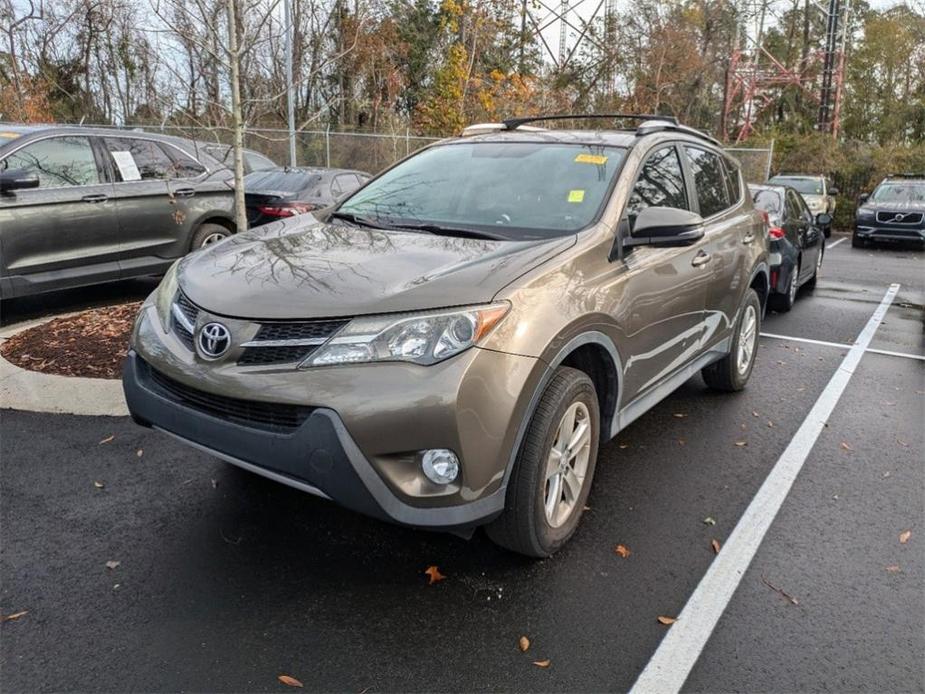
(508, 190)
(899, 192)
(767, 200)
(806, 186)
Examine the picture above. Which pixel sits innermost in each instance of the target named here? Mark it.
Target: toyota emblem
(214, 340)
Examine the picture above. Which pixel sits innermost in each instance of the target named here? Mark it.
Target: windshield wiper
(358, 220)
(448, 231)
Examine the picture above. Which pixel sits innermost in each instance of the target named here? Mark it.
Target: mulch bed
(91, 344)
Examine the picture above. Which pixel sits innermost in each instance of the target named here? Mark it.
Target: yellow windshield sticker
(576, 196)
(9, 135)
(591, 159)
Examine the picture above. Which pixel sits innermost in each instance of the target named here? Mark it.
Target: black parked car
(895, 211)
(270, 195)
(797, 242)
(81, 206)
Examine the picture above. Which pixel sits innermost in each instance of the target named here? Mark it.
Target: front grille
(255, 356)
(907, 218)
(258, 355)
(190, 312)
(259, 415)
(310, 330)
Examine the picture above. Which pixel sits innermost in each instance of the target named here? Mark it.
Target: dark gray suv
(80, 206)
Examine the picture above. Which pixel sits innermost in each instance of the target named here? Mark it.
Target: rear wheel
(553, 471)
(731, 373)
(784, 302)
(208, 234)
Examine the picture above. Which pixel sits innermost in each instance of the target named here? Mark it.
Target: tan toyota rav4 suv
(449, 346)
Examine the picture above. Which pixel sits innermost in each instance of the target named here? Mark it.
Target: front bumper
(873, 232)
(347, 433)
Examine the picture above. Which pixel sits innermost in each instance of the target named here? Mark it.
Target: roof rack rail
(908, 174)
(514, 123)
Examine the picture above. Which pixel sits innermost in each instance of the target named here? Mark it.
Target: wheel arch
(760, 281)
(595, 354)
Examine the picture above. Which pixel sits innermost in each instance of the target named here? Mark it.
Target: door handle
(702, 258)
(95, 198)
(184, 193)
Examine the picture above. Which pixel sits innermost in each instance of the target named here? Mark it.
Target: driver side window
(660, 183)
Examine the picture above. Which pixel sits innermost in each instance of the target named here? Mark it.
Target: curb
(21, 389)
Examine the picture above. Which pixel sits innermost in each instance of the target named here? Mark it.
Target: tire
(726, 374)
(784, 302)
(827, 232)
(857, 241)
(811, 282)
(525, 526)
(207, 234)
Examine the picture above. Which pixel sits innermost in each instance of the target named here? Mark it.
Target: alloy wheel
(567, 464)
(748, 338)
(794, 284)
(213, 238)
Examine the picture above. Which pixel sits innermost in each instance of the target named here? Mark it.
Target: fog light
(440, 466)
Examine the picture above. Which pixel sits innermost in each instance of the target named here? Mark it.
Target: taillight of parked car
(287, 209)
(776, 232)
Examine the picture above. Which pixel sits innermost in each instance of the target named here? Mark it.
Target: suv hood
(289, 270)
(892, 207)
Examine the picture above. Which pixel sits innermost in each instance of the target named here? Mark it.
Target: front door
(65, 232)
(661, 306)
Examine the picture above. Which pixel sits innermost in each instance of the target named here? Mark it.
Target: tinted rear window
(767, 200)
(292, 182)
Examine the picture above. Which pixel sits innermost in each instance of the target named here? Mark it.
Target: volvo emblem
(214, 340)
(898, 217)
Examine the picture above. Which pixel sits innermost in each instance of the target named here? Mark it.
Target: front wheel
(208, 234)
(731, 373)
(811, 282)
(552, 474)
(857, 241)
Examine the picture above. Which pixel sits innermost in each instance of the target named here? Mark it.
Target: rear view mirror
(667, 226)
(17, 179)
(862, 198)
(823, 219)
(833, 191)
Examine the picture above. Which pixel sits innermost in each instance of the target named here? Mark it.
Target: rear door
(809, 236)
(730, 228)
(661, 306)
(65, 232)
(154, 195)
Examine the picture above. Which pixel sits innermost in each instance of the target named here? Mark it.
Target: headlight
(422, 338)
(166, 291)
(865, 215)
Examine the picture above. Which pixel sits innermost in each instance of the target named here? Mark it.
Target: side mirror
(862, 198)
(823, 219)
(833, 191)
(17, 179)
(666, 226)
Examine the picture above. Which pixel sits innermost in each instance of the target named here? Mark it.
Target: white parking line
(835, 243)
(843, 345)
(672, 661)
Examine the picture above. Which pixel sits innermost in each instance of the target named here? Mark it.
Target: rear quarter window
(709, 180)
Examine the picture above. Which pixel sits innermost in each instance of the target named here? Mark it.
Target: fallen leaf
(755, 414)
(140, 452)
(11, 617)
(893, 568)
(904, 536)
(433, 575)
(622, 550)
(770, 424)
(112, 564)
(107, 439)
(715, 545)
(98, 484)
(289, 681)
(846, 447)
(741, 443)
(542, 663)
(681, 442)
(523, 644)
(902, 443)
(586, 508)
(624, 445)
(667, 620)
(680, 415)
(709, 521)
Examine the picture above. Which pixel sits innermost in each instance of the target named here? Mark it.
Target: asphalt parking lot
(226, 580)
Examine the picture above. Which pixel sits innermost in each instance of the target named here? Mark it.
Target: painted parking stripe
(842, 345)
(835, 243)
(676, 655)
